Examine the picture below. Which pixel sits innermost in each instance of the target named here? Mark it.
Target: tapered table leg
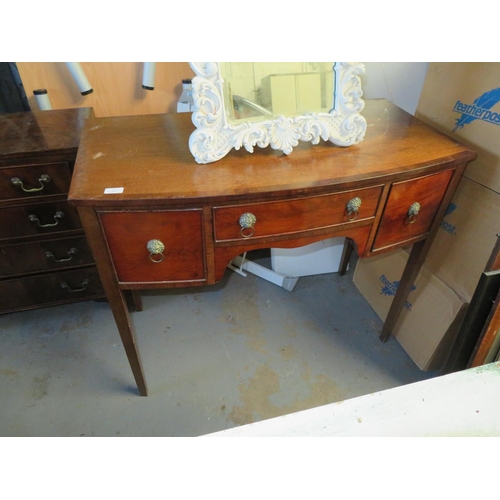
(346, 256)
(122, 317)
(410, 274)
(116, 296)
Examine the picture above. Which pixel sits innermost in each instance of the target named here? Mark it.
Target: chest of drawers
(44, 256)
(154, 218)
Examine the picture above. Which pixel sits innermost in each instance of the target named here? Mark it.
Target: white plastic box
(318, 258)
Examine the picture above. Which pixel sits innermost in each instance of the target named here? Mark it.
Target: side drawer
(179, 231)
(396, 225)
(295, 215)
(44, 256)
(34, 180)
(50, 289)
(37, 219)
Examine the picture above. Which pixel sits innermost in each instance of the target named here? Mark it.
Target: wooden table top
(148, 156)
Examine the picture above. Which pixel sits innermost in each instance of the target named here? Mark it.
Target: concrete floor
(216, 357)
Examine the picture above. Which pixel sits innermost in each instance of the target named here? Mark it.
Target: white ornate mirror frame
(215, 135)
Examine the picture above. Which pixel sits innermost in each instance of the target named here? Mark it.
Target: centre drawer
(156, 246)
(295, 215)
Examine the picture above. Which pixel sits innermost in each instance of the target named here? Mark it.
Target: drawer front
(50, 289)
(180, 232)
(37, 219)
(44, 256)
(34, 180)
(397, 226)
(293, 216)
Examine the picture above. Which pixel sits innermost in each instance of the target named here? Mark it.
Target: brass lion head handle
(247, 222)
(413, 213)
(352, 208)
(155, 249)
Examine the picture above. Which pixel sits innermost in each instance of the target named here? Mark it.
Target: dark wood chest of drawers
(44, 256)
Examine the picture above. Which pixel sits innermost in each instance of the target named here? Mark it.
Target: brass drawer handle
(155, 247)
(44, 178)
(413, 213)
(73, 290)
(247, 222)
(352, 208)
(58, 215)
(71, 252)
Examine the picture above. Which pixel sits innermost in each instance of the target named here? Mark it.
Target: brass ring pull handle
(73, 290)
(352, 208)
(155, 248)
(71, 252)
(58, 215)
(413, 213)
(247, 222)
(44, 178)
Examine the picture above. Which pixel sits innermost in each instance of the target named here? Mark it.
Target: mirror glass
(255, 91)
(243, 105)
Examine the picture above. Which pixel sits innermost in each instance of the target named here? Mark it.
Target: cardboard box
(317, 258)
(466, 238)
(463, 101)
(429, 323)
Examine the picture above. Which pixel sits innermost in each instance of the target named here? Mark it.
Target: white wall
(398, 82)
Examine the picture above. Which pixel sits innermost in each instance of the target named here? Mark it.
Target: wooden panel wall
(117, 86)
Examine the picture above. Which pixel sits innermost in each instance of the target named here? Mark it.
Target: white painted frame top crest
(215, 135)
